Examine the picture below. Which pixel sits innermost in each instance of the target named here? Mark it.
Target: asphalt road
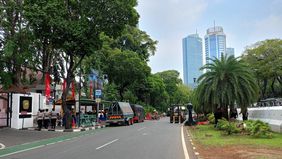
(148, 140)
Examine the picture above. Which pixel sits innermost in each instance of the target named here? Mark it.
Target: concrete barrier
(270, 115)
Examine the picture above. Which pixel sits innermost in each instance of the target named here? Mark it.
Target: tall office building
(215, 43)
(230, 51)
(192, 59)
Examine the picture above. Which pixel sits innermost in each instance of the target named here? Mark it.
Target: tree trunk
(66, 109)
(121, 94)
(272, 88)
(244, 111)
(225, 112)
(264, 88)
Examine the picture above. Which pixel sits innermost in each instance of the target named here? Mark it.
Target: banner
(47, 86)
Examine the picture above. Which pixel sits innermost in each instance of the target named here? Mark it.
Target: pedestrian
(53, 115)
(39, 119)
(217, 116)
(46, 119)
(233, 113)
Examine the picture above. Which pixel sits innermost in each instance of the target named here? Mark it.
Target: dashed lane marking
(141, 129)
(107, 144)
(2, 146)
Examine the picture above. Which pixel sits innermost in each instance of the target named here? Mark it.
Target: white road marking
(107, 144)
(2, 146)
(197, 153)
(141, 129)
(144, 134)
(184, 144)
(8, 154)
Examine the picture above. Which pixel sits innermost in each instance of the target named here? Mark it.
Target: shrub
(258, 128)
(227, 126)
(211, 118)
(202, 118)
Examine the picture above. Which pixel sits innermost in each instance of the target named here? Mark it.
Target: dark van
(139, 113)
(120, 113)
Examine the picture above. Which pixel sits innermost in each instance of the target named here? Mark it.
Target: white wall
(19, 123)
(270, 115)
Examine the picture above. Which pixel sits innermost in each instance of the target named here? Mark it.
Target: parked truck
(120, 113)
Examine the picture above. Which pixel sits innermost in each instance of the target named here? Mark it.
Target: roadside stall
(84, 111)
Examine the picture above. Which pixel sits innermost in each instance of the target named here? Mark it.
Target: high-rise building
(230, 51)
(215, 43)
(192, 59)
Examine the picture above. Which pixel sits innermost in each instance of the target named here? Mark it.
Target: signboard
(25, 107)
(98, 92)
(98, 100)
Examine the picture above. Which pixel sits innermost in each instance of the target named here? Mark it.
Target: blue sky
(169, 21)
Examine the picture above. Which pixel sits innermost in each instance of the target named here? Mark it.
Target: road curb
(71, 130)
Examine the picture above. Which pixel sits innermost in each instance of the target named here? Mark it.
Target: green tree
(136, 40)
(171, 80)
(182, 94)
(131, 40)
(76, 26)
(157, 95)
(264, 58)
(15, 41)
(227, 80)
(124, 69)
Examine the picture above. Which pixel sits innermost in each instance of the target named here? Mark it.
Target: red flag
(73, 89)
(47, 85)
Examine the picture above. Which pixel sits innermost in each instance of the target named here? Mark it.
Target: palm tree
(227, 81)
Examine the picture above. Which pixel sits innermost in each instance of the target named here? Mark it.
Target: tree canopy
(264, 58)
(227, 81)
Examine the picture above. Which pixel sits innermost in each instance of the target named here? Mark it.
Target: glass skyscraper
(230, 51)
(192, 59)
(215, 43)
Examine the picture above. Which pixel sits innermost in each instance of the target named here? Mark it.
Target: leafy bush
(202, 118)
(211, 118)
(227, 126)
(258, 128)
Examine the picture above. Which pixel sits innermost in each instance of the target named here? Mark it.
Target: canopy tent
(83, 101)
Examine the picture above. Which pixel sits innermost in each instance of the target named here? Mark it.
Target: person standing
(217, 116)
(46, 119)
(39, 119)
(53, 115)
